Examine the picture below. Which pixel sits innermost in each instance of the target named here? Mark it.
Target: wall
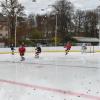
(55, 49)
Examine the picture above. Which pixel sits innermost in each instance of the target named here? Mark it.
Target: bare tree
(90, 23)
(85, 22)
(64, 11)
(79, 22)
(11, 9)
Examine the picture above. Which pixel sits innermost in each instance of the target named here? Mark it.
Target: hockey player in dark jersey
(12, 49)
(37, 51)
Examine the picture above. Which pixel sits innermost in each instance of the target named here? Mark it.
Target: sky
(35, 7)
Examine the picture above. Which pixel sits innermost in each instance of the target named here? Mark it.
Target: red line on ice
(90, 97)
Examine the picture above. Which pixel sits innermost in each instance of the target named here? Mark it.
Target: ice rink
(54, 76)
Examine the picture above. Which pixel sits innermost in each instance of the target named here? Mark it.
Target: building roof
(86, 39)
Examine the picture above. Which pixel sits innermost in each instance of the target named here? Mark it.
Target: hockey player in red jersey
(68, 47)
(22, 52)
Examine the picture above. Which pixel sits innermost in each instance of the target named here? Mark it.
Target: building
(3, 27)
(3, 30)
(89, 40)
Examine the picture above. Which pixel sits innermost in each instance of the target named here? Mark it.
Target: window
(0, 34)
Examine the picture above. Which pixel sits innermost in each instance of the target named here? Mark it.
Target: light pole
(15, 27)
(44, 22)
(99, 26)
(16, 23)
(99, 31)
(99, 22)
(98, 11)
(56, 27)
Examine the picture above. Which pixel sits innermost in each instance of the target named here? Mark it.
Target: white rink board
(59, 48)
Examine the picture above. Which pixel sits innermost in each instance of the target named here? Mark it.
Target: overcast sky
(35, 7)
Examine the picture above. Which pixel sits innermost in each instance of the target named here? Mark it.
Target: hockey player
(22, 52)
(12, 49)
(37, 51)
(84, 48)
(68, 47)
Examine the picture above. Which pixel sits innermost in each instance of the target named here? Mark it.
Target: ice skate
(22, 59)
(36, 55)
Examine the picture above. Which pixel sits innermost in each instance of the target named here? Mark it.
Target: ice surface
(54, 76)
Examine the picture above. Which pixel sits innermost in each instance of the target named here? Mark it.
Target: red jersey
(68, 45)
(22, 50)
